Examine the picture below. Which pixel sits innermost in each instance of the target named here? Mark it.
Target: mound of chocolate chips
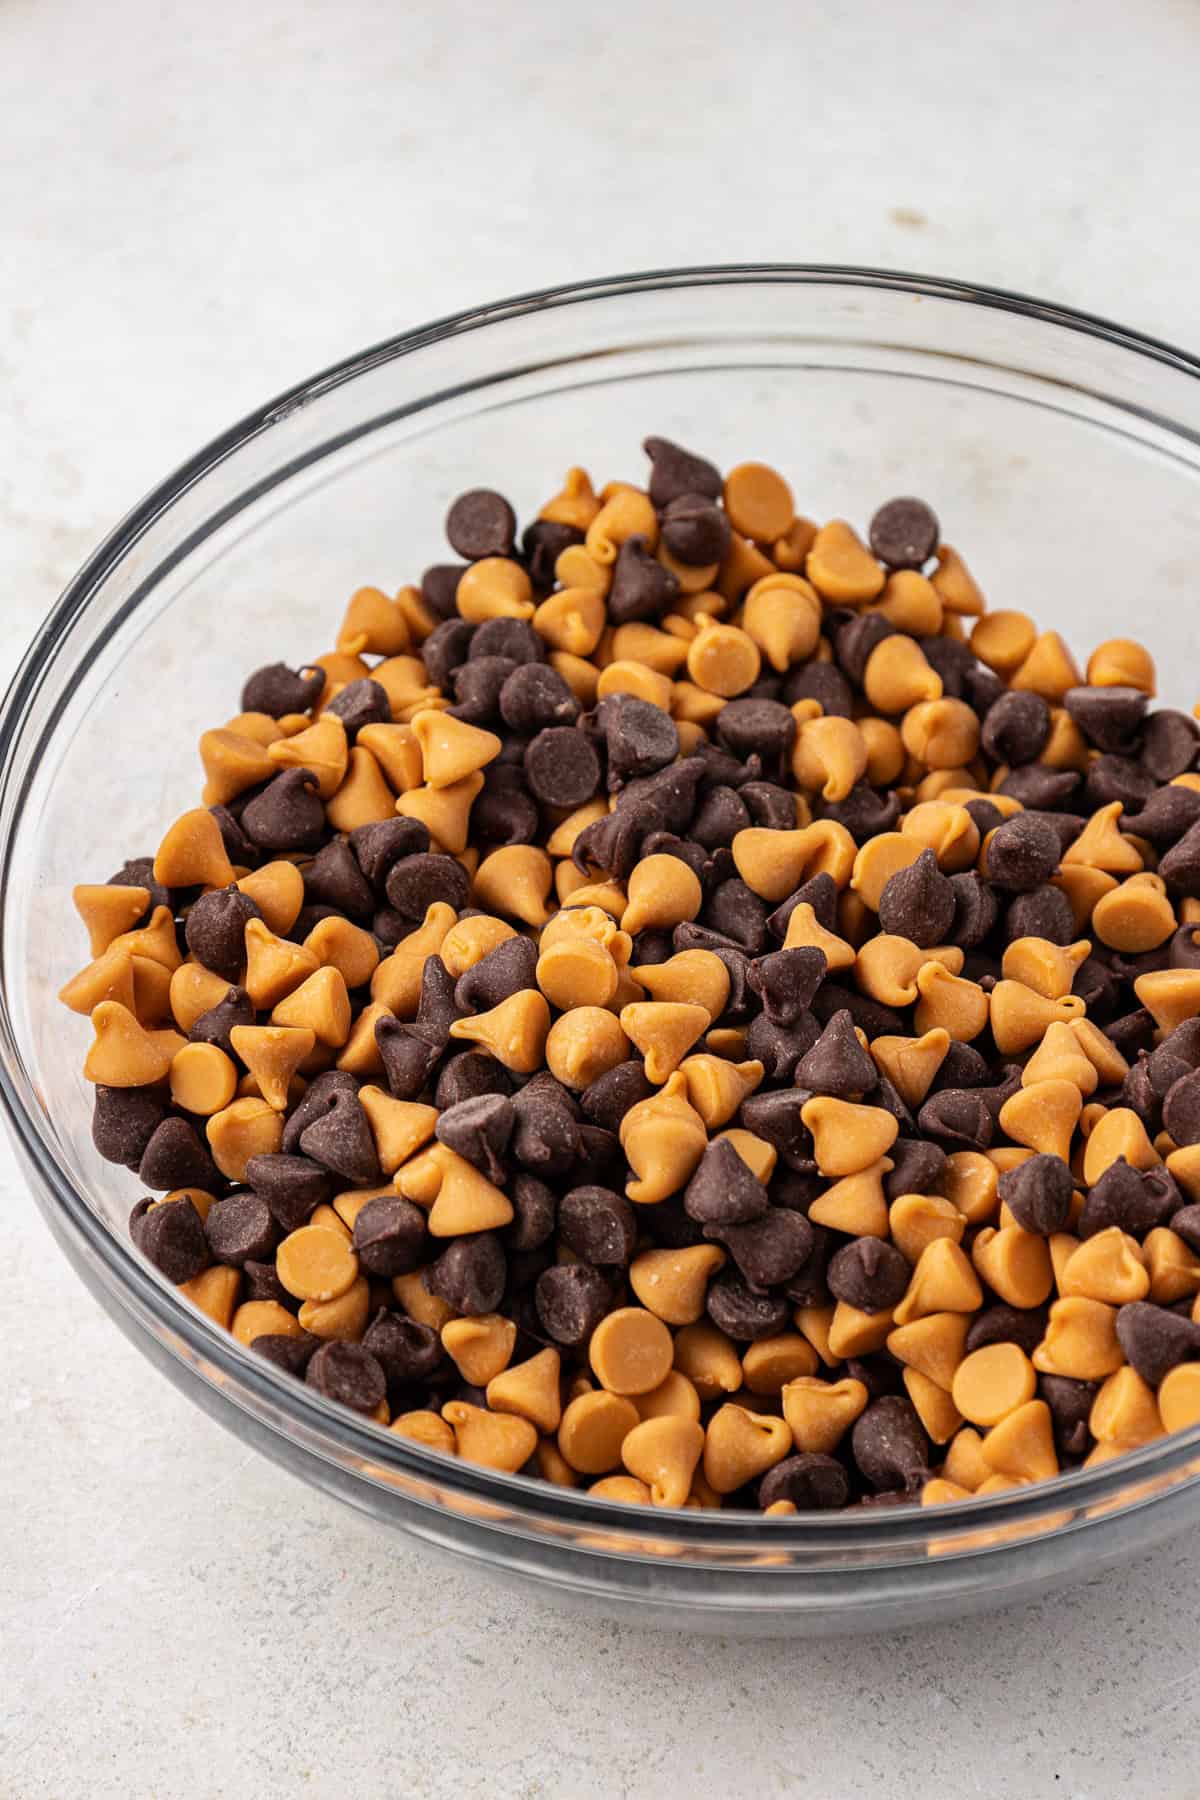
(683, 1002)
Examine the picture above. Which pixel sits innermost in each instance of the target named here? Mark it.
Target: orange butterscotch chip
(992, 1382)
(740, 1445)
(819, 1413)
(497, 1440)
(840, 566)
(708, 1358)
(593, 1431)
(107, 911)
(316, 1264)
(193, 853)
(630, 1351)
(672, 1284)
(664, 1453)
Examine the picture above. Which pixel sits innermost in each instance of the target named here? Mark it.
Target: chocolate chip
(639, 737)
(408, 1057)
(341, 1139)
(406, 1350)
(542, 543)
(479, 1130)
(534, 698)
(837, 1064)
(1112, 778)
(1002, 1324)
(770, 806)
(889, 1446)
(562, 768)
(292, 1186)
(721, 815)
(642, 588)
(863, 812)
(957, 1118)
(606, 1100)
(123, 1122)
(917, 1168)
(389, 1236)
(1016, 729)
(289, 1353)
(288, 814)
(466, 1076)
(349, 1374)
(377, 847)
(1129, 1199)
(812, 1482)
(238, 847)
(1109, 717)
(820, 893)
(1170, 741)
(745, 1316)
(481, 523)
(1181, 1110)
(139, 872)
(1022, 854)
(240, 1229)
(1040, 787)
(1044, 913)
(1070, 1404)
(1154, 1339)
(546, 1140)
(415, 882)
(507, 970)
(1180, 867)
(904, 533)
(598, 1224)
(870, 1274)
(278, 690)
(695, 530)
(170, 1234)
(779, 1048)
(571, 1300)
(335, 878)
(445, 649)
(918, 903)
(361, 703)
(470, 1274)
(676, 471)
(175, 1157)
(535, 1214)
(1167, 816)
(723, 1191)
(1038, 1194)
(975, 910)
(738, 914)
(757, 728)
(786, 982)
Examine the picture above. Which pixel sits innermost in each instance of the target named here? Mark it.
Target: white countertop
(198, 206)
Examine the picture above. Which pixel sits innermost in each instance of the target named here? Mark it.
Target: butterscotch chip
(593, 1431)
(672, 1284)
(316, 1264)
(630, 1351)
(708, 1358)
(664, 1453)
(203, 1079)
(740, 1445)
(480, 1347)
(498, 1440)
(992, 1382)
(245, 1128)
(771, 1363)
(530, 1389)
(426, 1428)
(819, 1413)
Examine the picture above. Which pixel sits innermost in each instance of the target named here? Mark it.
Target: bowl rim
(528, 1500)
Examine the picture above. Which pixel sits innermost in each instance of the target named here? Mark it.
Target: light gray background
(198, 205)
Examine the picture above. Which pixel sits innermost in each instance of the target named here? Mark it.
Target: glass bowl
(1061, 453)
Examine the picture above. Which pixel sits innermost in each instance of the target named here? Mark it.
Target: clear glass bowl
(1063, 456)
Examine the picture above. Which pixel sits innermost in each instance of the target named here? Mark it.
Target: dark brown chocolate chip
(1168, 815)
(409, 1057)
(571, 1300)
(904, 533)
(820, 893)
(917, 1168)
(742, 1314)
(837, 1064)
(975, 911)
(507, 970)
(377, 847)
(389, 1236)
(733, 910)
(170, 1234)
(598, 1224)
(335, 878)
(292, 1186)
(535, 697)
(469, 1274)
(958, 1118)
(1022, 854)
(1185, 1223)
(349, 1374)
(175, 1157)
(1016, 729)
(415, 882)
(504, 813)
(638, 736)
(278, 690)
(481, 523)
(1002, 1324)
(466, 1076)
(889, 1446)
(762, 728)
(769, 1250)
(406, 1350)
(123, 1122)
(1170, 742)
(786, 982)
(445, 649)
(606, 1100)
(1132, 1199)
(512, 638)
(870, 1274)
(562, 768)
(721, 815)
(535, 1214)
(1044, 913)
(439, 590)
(676, 471)
(479, 1130)
(361, 703)
(240, 1229)
(546, 1140)
(1070, 1404)
(288, 814)
(642, 588)
(723, 1191)
(1040, 787)
(341, 1139)
(215, 930)
(285, 1351)
(1180, 867)
(776, 1117)
(769, 805)
(812, 1482)
(262, 1283)
(1120, 778)
(780, 1048)
(1181, 1109)
(1155, 1339)
(542, 543)
(695, 529)
(1110, 718)
(477, 689)
(1038, 1194)
(918, 903)
(138, 871)
(238, 847)
(215, 1026)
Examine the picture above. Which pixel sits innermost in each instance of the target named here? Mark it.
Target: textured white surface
(199, 205)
